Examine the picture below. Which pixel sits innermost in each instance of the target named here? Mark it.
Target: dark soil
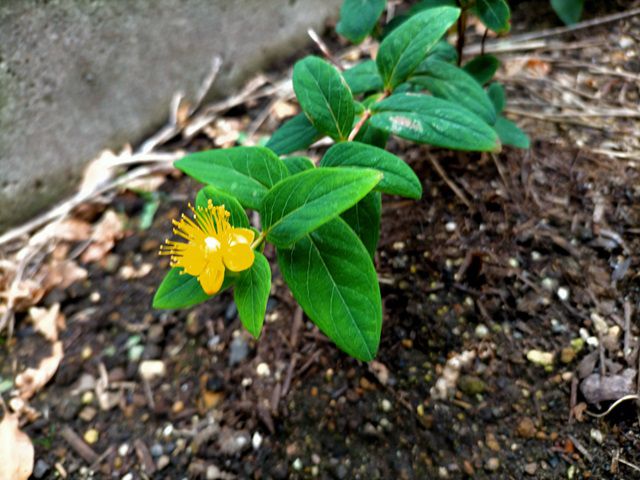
(552, 237)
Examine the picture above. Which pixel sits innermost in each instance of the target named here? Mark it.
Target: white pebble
(123, 450)
(150, 369)
(451, 226)
(596, 435)
(536, 256)
(256, 441)
(386, 405)
(513, 262)
(263, 370)
(599, 324)
(549, 283)
(297, 464)
(128, 476)
(540, 358)
(563, 294)
(168, 430)
(482, 331)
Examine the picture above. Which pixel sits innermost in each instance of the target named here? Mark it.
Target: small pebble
(596, 435)
(482, 331)
(536, 256)
(513, 262)
(163, 462)
(599, 323)
(297, 464)
(442, 472)
(156, 450)
(549, 283)
(123, 450)
(40, 469)
(238, 351)
(150, 369)
(87, 397)
(538, 357)
(386, 405)
(256, 441)
(526, 428)
(531, 468)
(86, 353)
(492, 464)
(567, 355)
(128, 476)
(87, 414)
(451, 226)
(563, 293)
(263, 370)
(91, 436)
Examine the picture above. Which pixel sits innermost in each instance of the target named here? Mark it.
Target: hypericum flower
(212, 244)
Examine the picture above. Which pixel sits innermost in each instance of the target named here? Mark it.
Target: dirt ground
(503, 304)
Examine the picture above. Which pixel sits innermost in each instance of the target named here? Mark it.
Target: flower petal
(192, 259)
(238, 255)
(211, 279)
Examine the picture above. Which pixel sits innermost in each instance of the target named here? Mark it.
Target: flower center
(212, 243)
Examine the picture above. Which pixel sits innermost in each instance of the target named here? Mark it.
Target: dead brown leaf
(105, 233)
(282, 109)
(47, 321)
(16, 450)
(32, 380)
(129, 272)
(62, 274)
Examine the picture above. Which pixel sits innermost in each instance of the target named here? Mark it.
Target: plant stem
(462, 27)
(256, 243)
(365, 116)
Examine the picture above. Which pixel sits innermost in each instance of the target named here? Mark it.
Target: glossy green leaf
(358, 18)
(295, 134)
(246, 173)
(303, 202)
(179, 290)
(332, 277)
(364, 220)
(251, 293)
(403, 50)
(496, 94)
(511, 134)
(452, 83)
(238, 216)
(324, 97)
(426, 119)
(482, 68)
(363, 77)
(569, 11)
(398, 177)
(495, 14)
(443, 51)
(298, 164)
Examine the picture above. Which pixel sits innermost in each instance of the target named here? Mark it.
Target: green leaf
(324, 97)
(332, 277)
(398, 20)
(238, 216)
(298, 164)
(363, 77)
(569, 11)
(403, 50)
(372, 135)
(511, 134)
(358, 17)
(398, 177)
(497, 96)
(293, 135)
(452, 83)
(180, 290)
(443, 51)
(251, 293)
(303, 202)
(364, 220)
(438, 122)
(482, 68)
(246, 173)
(495, 14)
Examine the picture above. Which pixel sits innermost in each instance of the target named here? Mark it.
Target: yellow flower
(212, 244)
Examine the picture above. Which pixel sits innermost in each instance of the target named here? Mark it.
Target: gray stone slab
(79, 76)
